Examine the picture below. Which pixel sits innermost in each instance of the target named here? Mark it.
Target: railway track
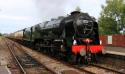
(70, 65)
(82, 70)
(16, 59)
(114, 63)
(25, 62)
(105, 69)
(71, 70)
(108, 69)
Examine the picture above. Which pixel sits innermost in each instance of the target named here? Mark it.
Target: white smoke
(52, 8)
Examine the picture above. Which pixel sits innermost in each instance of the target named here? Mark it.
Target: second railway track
(13, 54)
(26, 63)
(95, 69)
(108, 69)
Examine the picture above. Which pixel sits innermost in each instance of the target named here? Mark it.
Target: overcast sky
(19, 14)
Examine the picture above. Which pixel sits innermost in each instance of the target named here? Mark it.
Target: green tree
(112, 17)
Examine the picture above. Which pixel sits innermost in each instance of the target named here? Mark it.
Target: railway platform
(4, 70)
(3, 58)
(115, 50)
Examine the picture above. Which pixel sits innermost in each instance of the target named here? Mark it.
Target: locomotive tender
(74, 37)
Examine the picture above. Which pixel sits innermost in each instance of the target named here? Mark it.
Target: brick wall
(117, 40)
(103, 38)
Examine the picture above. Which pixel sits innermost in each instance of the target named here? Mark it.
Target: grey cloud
(51, 8)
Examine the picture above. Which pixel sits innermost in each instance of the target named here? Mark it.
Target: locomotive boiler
(74, 37)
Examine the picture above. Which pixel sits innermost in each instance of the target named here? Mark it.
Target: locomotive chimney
(75, 12)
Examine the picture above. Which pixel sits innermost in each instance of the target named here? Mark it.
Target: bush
(0, 34)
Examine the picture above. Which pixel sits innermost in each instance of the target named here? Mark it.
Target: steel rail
(107, 68)
(19, 47)
(11, 50)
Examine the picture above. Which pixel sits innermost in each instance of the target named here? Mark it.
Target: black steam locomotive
(74, 37)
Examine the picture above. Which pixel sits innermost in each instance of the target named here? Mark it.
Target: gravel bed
(112, 63)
